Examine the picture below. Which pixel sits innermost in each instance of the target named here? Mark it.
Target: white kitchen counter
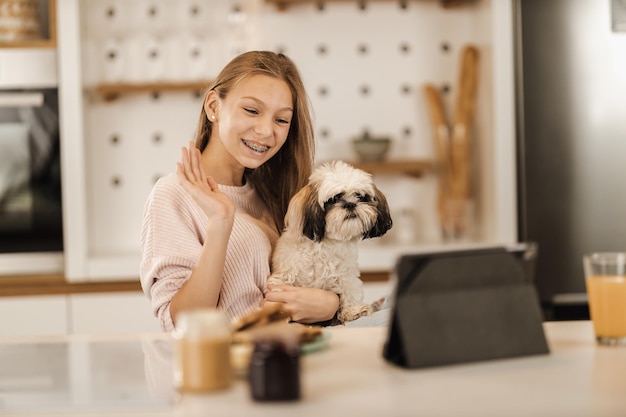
(131, 375)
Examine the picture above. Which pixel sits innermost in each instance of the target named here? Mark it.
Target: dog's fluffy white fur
(325, 220)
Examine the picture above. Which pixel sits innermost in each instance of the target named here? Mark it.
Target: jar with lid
(202, 341)
(274, 373)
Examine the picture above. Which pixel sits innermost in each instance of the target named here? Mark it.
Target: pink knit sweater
(174, 229)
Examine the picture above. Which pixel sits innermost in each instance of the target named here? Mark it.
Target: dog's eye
(333, 200)
(363, 198)
(337, 197)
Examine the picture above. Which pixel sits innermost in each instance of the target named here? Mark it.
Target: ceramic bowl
(372, 148)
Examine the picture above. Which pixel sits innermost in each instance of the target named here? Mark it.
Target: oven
(31, 226)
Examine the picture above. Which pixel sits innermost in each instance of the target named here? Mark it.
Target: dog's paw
(378, 304)
(349, 313)
(275, 280)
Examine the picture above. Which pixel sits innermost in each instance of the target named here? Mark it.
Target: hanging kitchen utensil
(441, 132)
(461, 203)
(461, 129)
(454, 148)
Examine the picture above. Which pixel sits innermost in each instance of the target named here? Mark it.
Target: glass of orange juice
(605, 277)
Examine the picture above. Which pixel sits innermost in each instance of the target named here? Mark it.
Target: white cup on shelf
(198, 17)
(112, 58)
(175, 58)
(154, 60)
(106, 18)
(147, 59)
(152, 17)
(196, 58)
(407, 222)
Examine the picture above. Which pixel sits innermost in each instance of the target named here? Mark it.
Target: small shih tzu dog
(325, 221)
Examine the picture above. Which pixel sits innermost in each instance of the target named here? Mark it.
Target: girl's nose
(263, 126)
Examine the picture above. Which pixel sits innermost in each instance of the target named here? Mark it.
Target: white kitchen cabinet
(364, 70)
(95, 313)
(33, 315)
(28, 68)
(111, 313)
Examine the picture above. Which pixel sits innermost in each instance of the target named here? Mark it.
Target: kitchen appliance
(30, 175)
(572, 141)
(31, 226)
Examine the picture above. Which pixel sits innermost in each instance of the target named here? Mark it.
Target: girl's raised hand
(202, 188)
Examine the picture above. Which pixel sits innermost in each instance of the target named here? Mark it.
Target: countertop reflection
(133, 376)
(80, 374)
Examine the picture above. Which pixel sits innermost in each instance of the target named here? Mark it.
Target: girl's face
(253, 120)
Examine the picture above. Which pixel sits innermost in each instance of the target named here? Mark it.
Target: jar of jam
(274, 372)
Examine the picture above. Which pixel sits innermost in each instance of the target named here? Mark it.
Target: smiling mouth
(254, 147)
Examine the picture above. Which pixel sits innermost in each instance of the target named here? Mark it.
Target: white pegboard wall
(363, 63)
(163, 40)
(135, 139)
(132, 142)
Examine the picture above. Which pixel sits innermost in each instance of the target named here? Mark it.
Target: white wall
(114, 151)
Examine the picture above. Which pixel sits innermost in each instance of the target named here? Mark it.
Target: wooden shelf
(35, 43)
(414, 168)
(34, 285)
(110, 92)
(284, 4)
(30, 285)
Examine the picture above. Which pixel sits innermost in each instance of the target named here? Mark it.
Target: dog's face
(341, 203)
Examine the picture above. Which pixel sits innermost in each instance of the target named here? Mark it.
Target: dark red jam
(274, 373)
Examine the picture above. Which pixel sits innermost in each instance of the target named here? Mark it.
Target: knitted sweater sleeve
(170, 244)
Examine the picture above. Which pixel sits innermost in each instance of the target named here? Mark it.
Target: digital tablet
(465, 305)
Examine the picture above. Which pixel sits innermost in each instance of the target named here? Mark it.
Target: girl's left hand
(304, 305)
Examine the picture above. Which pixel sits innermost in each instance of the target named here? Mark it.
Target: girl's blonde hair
(277, 180)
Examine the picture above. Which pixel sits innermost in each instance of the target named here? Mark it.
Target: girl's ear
(211, 102)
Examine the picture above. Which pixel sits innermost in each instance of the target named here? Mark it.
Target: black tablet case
(465, 306)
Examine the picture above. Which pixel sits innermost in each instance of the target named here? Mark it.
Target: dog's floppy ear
(314, 216)
(305, 215)
(383, 220)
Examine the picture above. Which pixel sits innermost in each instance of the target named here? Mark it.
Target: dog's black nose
(349, 206)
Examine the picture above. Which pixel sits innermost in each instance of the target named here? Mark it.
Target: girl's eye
(251, 111)
(283, 121)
